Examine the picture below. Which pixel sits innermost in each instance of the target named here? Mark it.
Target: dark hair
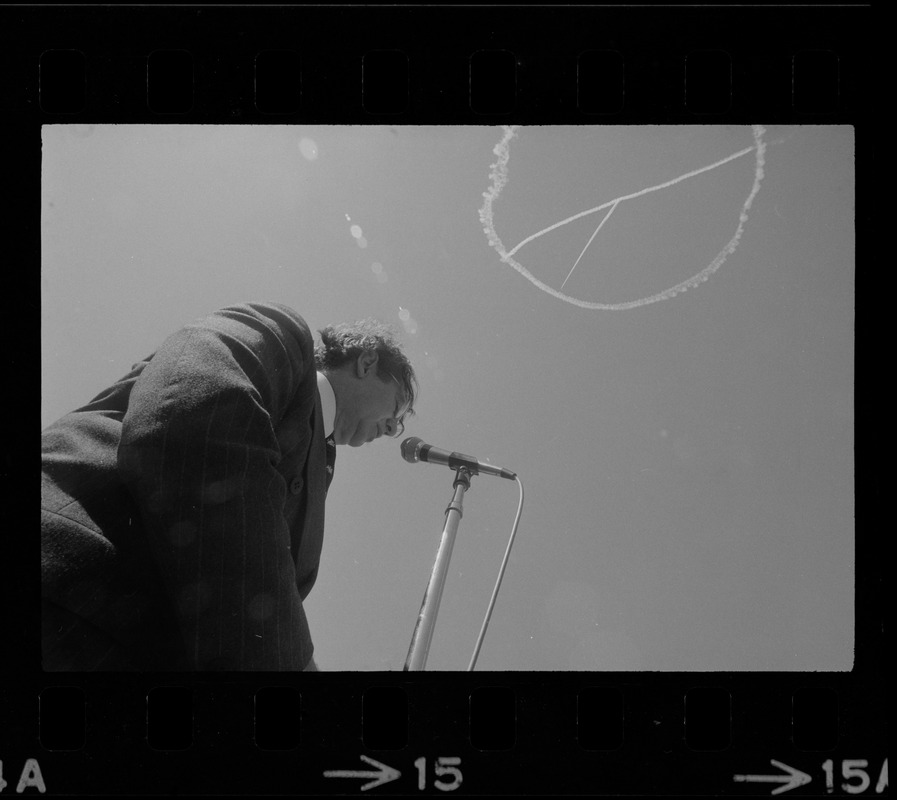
(343, 343)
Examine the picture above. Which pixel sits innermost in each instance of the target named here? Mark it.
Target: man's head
(373, 382)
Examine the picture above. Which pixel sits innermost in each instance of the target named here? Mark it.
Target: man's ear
(366, 362)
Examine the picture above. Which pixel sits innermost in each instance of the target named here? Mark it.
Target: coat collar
(313, 524)
(328, 403)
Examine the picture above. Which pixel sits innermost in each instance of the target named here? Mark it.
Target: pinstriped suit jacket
(182, 509)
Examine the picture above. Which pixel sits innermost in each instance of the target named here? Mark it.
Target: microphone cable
(501, 572)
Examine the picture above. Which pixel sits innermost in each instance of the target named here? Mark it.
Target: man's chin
(356, 440)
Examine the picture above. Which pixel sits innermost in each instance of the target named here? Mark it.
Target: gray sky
(688, 462)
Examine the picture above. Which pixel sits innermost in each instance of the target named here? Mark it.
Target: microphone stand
(426, 620)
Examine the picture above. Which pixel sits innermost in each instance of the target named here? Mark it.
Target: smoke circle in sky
(499, 176)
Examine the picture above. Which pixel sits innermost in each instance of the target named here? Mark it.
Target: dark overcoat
(182, 511)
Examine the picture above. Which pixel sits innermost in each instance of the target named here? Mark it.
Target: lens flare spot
(355, 230)
(404, 314)
(308, 148)
(377, 268)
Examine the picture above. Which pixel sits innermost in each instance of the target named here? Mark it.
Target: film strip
(720, 734)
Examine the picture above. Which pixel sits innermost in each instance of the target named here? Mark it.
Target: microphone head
(411, 449)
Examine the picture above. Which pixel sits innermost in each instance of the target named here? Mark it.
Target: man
(182, 510)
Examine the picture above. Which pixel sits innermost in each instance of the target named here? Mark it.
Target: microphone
(415, 449)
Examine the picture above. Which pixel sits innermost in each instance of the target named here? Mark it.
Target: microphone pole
(426, 620)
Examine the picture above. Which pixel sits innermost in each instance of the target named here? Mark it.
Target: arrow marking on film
(792, 780)
(383, 774)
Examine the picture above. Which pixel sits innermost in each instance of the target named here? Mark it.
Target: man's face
(366, 406)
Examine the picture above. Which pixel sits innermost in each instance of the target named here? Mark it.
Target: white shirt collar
(328, 403)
